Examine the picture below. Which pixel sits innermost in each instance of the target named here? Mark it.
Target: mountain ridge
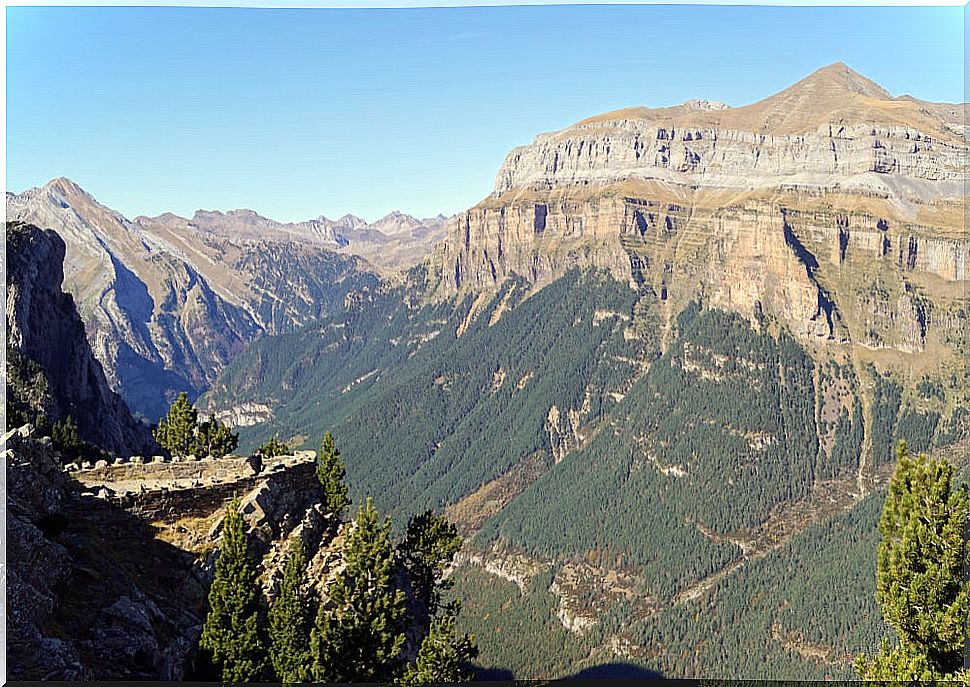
(166, 306)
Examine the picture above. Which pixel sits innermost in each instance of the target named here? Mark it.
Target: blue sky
(299, 112)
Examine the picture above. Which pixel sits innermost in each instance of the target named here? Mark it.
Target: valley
(656, 377)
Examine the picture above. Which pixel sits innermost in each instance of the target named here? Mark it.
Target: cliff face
(833, 128)
(831, 206)
(43, 325)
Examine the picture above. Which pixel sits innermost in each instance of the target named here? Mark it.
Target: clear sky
(299, 112)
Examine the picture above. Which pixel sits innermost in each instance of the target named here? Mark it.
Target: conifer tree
(429, 545)
(919, 572)
(274, 447)
(213, 438)
(176, 431)
(331, 473)
(289, 626)
(359, 635)
(232, 633)
(444, 656)
(65, 437)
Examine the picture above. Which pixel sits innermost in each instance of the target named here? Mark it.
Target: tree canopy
(233, 630)
(181, 433)
(919, 578)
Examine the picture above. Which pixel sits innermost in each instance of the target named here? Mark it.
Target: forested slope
(670, 498)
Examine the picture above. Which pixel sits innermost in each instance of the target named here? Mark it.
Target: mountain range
(656, 375)
(168, 301)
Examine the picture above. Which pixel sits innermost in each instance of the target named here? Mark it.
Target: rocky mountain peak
(839, 78)
(348, 220)
(830, 94)
(216, 219)
(833, 127)
(66, 188)
(396, 222)
(701, 104)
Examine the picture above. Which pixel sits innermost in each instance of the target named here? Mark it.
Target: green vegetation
(274, 448)
(359, 634)
(29, 401)
(28, 391)
(424, 415)
(181, 433)
(289, 621)
(886, 399)
(849, 428)
(919, 580)
(918, 427)
(330, 472)
(444, 656)
(429, 542)
(517, 631)
(849, 433)
(928, 388)
(693, 447)
(955, 428)
(233, 634)
(176, 431)
(719, 430)
(362, 624)
(214, 439)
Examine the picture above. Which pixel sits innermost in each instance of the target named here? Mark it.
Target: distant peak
(396, 216)
(66, 187)
(840, 78)
(348, 220)
(699, 104)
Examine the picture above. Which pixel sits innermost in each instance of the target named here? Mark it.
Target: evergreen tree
(445, 656)
(176, 431)
(919, 572)
(289, 627)
(65, 438)
(429, 545)
(331, 473)
(215, 439)
(359, 635)
(273, 448)
(231, 633)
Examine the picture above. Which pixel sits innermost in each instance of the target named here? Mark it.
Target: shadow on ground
(606, 671)
(616, 671)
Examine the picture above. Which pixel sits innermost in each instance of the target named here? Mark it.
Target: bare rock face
(81, 604)
(43, 325)
(831, 206)
(110, 566)
(834, 128)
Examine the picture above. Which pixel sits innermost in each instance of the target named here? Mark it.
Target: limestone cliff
(831, 206)
(43, 326)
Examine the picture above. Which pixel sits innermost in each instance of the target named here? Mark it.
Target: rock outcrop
(44, 327)
(110, 565)
(91, 594)
(833, 129)
(831, 206)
